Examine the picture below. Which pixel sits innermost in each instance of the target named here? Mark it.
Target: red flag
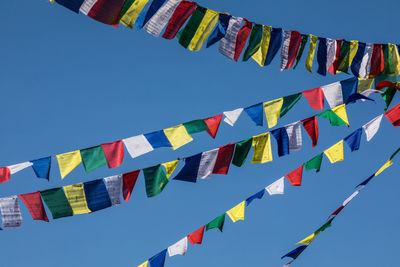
(294, 45)
(107, 11)
(224, 158)
(183, 11)
(377, 63)
(334, 66)
(315, 98)
(213, 125)
(34, 203)
(242, 37)
(311, 127)
(197, 236)
(129, 181)
(114, 153)
(336, 212)
(393, 115)
(384, 84)
(4, 174)
(295, 176)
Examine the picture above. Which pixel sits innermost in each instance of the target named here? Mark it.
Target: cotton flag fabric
(340, 111)
(34, 203)
(377, 61)
(322, 56)
(197, 236)
(393, 115)
(188, 32)
(288, 103)
(76, 197)
(261, 54)
(208, 22)
(93, 158)
(384, 167)
(330, 52)
(277, 187)
(68, 161)
(155, 180)
(315, 98)
(293, 131)
(153, 8)
(372, 127)
(96, 194)
(195, 126)
(228, 43)
(353, 140)
(181, 14)
(262, 148)
(289, 54)
(314, 163)
(366, 61)
(178, 136)
(274, 45)
(114, 153)
(132, 12)
(232, 116)
(333, 94)
(282, 139)
(179, 248)
(216, 223)
(272, 110)
(255, 113)
(335, 153)
(57, 203)
(295, 176)
(159, 259)
(160, 19)
(19, 167)
(213, 125)
(87, 6)
(107, 11)
(170, 167)
(41, 167)
(4, 174)
(295, 252)
(242, 37)
(224, 158)
(258, 195)
(242, 149)
(311, 127)
(11, 216)
(254, 41)
(237, 212)
(144, 264)
(304, 40)
(311, 52)
(220, 31)
(129, 180)
(137, 145)
(113, 185)
(356, 64)
(157, 139)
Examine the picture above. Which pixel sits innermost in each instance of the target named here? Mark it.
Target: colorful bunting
(178, 136)
(93, 158)
(11, 216)
(137, 145)
(57, 203)
(272, 110)
(335, 152)
(42, 167)
(197, 236)
(114, 153)
(295, 176)
(181, 14)
(262, 148)
(277, 187)
(216, 223)
(155, 180)
(237, 212)
(34, 203)
(353, 140)
(232, 116)
(68, 161)
(179, 248)
(97, 195)
(129, 180)
(241, 38)
(76, 197)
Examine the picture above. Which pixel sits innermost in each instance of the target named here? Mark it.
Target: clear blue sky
(69, 82)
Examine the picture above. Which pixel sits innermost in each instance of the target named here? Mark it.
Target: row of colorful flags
(112, 154)
(195, 25)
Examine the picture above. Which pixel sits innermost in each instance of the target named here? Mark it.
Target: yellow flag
(340, 111)
(170, 166)
(144, 264)
(308, 239)
(178, 136)
(52, 1)
(68, 161)
(133, 12)
(272, 110)
(237, 212)
(311, 52)
(353, 50)
(262, 148)
(364, 84)
(335, 152)
(261, 53)
(396, 57)
(384, 167)
(203, 31)
(76, 198)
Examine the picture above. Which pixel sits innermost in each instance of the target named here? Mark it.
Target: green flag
(216, 223)
(389, 68)
(127, 5)
(334, 119)
(254, 41)
(93, 158)
(323, 227)
(288, 102)
(190, 29)
(155, 180)
(195, 126)
(304, 39)
(344, 57)
(242, 149)
(314, 163)
(57, 202)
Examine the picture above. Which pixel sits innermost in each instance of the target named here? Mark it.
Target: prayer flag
(87, 6)
(241, 38)
(93, 158)
(219, 31)
(347, 53)
(366, 61)
(224, 159)
(137, 145)
(384, 167)
(295, 252)
(314, 163)
(311, 127)
(295, 176)
(191, 27)
(331, 47)
(4, 174)
(393, 115)
(114, 153)
(274, 44)
(257, 195)
(389, 68)
(353, 140)
(277, 187)
(19, 167)
(216, 223)
(333, 94)
(372, 127)
(34, 203)
(178, 136)
(288, 103)
(304, 39)
(155, 180)
(366, 181)
(311, 52)
(237, 212)
(349, 88)
(322, 56)
(334, 118)
(208, 23)
(293, 131)
(254, 41)
(179, 248)
(282, 139)
(195, 126)
(42, 167)
(107, 11)
(213, 124)
(255, 112)
(131, 11)
(261, 53)
(97, 195)
(335, 152)
(315, 98)
(57, 202)
(11, 216)
(68, 161)
(357, 61)
(170, 167)
(308, 239)
(157, 139)
(113, 185)
(158, 260)
(377, 61)
(129, 180)
(72, 5)
(396, 57)
(232, 116)
(197, 236)
(144, 264)
(154, 7)
(76, 197)
(290, 48)
(242, 149)
(334, 66)
(181, 14)
(272, 110)
(228, 43)
(262, 148)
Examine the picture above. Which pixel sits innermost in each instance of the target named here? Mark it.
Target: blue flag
(158, 139)
(73, 5)
(256, 113)
(158, 260)
(282, 139)
(295, 252)
(366, 181)
(258, 195)
(354, 97)
(189, 172)
(274, 45)
(42, 167)
(356, 64)
(322, 56)
(96, 194)
(154, 7)
(219, 31)
(353, 140)
(349, 87)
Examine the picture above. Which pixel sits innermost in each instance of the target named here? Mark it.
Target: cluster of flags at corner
(112, 154)
(195, 25)
(307, 241)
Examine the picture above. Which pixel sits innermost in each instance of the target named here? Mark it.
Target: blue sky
(69, 82)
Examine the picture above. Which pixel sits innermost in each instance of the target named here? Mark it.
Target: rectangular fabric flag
(256, 36)
(114, 153)
(336, 116)
(178, 136)
(181, 14)
(107, 11)
(97, 195)
(314, 163)
(353, 140)
(228, 43)
(129, 181)
(11, 216)
(93, 158)
(34, 203)
(213, 125)
(195, 126)
(315, 98)
(216, 223)
(293, 131)
(311, 52)
(274, 45)
(19, 167)
(179, 248)
(262, 148)
(224, 159)
(41, 167)
(272, 110)
(311, 127)
(333, 94)
(335, 152)
(288, 103)
(237, 212)
(241, 38)
(366, 61)
(154, 7)
(113, 185)
(158, 139)
(76, 197)
(255, 113)
(197, 236)
(158, 260)
(295, 176)
(322, 56)
(393, 115)
(242, 149)
(277, 187)
(170, 167)
(282, 140)
(87, 6)
(208, 23)
(72, 5)
(261, 54)
(188, 32)
(131, 11)
(372, 127)
(137, 145)
(155, 180)
(257, 195)
(384, 167)
(68, 161)
(5, 174)
(57, 202)
(290, 48)
(232, 116)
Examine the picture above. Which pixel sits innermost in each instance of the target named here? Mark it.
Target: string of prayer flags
(155, 180)
(295, 176)
(335, 153)
(277, 187)
(76, 197)
(179, 248)
(262, 148)
(237, 212)
(114, 153)
(68, 161)
(41, 167)
(57, 202)
(181, 14)
(197, 236)
(11, 216)
(216, 223)
(113, 185)
(96, 194)
(34, 203)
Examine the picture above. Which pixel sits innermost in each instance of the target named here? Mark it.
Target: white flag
(179, 248)
(285, 49)
(156, 24)
(19, 167)
(10, 213)
(232, 116)
(351, 197)
(293, 131)
(331, 52)
(372, 127)
(366, 61)
(207, 163)
(333, 94)
(137, 145)
(277, 187)
(228, 43)
(113, 185)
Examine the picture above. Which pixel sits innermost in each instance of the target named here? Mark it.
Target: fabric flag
(219, 31)
(93, 158)
(393, 115)
(179, 248)
(154, 7)
(72, 5)
(277, 187)
(311, 127)
(170, 167)
(232, 116)
(304, 40)
(242, 149)
(336, 116)
(19, 167)
(322, 56)
(333, 94)
(272, 110)
(114, 153)
(262, 148)
(57, 202)
(255, 112)
(334, 67)
(188, 32)
(68, 161)
(331, 46)
(353, 140)
(195, 126)
(364, 84)
(155, 180)
(257, 195)
(76, 198)
(107, 11)
(389, 68)
(290, 48)
(197, 236)
(311, 52)
(274, 45)
(34, 203)
(335, 152)
(97, 195)
(137, 145)
(216, 223)
(129, 180)
(158, 139)
(213, 124)
(113, 185)
(377, 61)
(372, 127)
(207, 163)
(310, 238)
(282, 139)
(366, 61)
(228, 43)
(241, 38)
(4, 174)
(295, 252)
(295, 176)
(208, 23)
(87, 6)
(349, 88)
(261, 53)
(237, 212)
(288, 103)
(384, 167)
(41, 167)
(256, 37)
(366, 181)
(347, 53)
(396, 57)
(144, 264)
(178, 136)
(293, 131)
(159, 259)
(357, 61)
(224, 159)
(11, 216)
(315, 98)
(314, 163)
(181, 14)
(131, 11)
